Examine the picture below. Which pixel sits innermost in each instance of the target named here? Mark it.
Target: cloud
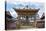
(13, 1)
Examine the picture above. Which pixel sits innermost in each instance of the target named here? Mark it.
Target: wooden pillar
(27, 20)
(35, 20)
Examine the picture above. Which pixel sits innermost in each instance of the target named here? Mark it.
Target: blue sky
(30, 5)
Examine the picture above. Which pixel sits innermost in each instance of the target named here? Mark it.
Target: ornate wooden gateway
(28, 15)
